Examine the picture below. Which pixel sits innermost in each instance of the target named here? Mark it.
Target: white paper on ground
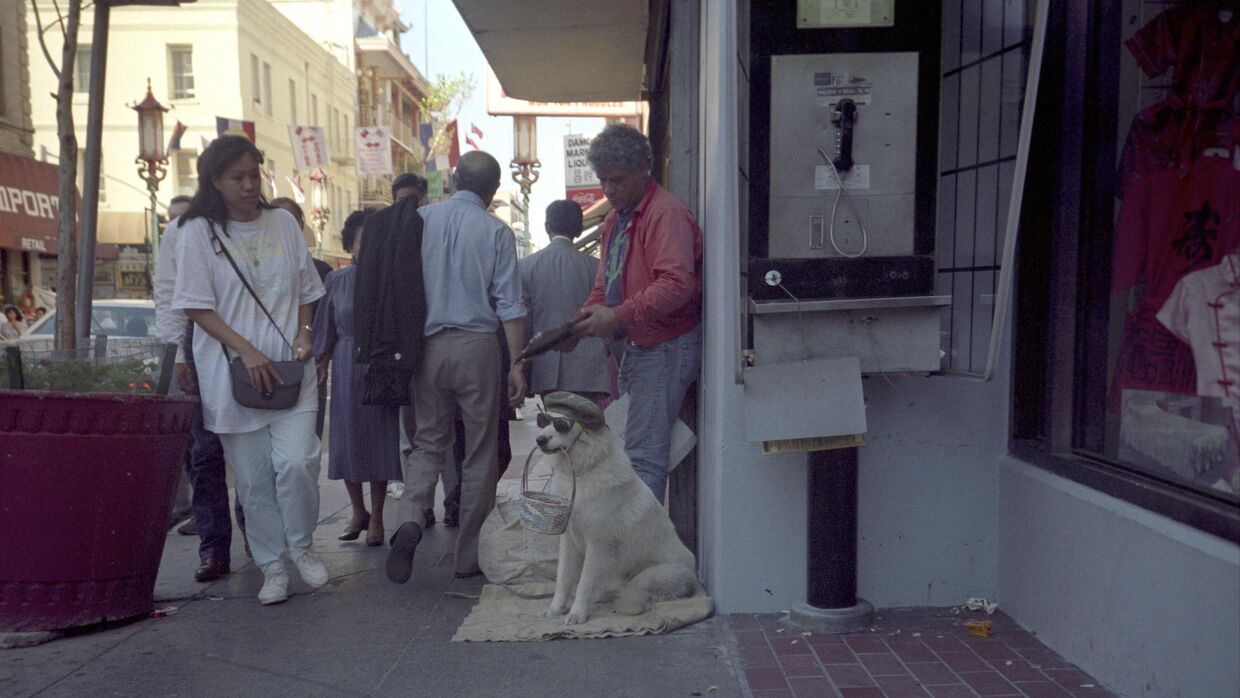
(683, 438)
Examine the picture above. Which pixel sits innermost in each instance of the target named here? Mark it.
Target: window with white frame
(181, 68)
(81, 70)
(256, 86)
(81, 176)
(267, 88)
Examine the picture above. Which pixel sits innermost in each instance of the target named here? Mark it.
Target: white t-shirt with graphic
(272, 254)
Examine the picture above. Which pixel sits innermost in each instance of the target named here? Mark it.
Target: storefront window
(1160, 385)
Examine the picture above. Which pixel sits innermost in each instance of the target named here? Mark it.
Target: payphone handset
(844, 116)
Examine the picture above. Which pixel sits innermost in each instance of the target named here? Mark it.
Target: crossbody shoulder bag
(282, 395)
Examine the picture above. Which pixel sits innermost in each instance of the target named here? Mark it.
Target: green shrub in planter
(124, 365)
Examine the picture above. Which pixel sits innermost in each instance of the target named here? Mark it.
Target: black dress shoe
(211, 570)
(451, 519)
(353, 533)
(400, 557)
(430, 518)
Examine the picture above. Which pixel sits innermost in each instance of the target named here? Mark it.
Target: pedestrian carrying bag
(284, 394)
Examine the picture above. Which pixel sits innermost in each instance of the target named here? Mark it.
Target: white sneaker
(309, 567)
(275, 584)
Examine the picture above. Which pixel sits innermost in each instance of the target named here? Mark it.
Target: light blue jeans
(656, 380)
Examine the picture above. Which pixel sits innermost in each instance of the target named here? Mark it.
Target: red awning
(29, 205)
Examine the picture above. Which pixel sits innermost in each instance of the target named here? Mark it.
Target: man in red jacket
(647, 296)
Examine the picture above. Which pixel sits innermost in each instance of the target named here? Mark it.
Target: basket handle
(525, 476)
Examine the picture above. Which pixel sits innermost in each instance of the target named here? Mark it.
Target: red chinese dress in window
(1179, 210)
(1170, 225)
(1197, 112)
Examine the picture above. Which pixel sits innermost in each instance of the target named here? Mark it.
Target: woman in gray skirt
(363, 440)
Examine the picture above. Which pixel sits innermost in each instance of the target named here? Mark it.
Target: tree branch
(38, 22)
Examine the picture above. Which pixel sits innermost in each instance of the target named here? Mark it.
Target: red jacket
(662, 282)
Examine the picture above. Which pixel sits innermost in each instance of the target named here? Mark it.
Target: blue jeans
(208, 481)
(209, 498)
(656, 380)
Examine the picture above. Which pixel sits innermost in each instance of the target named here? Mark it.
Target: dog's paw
(575, 618)
(554, 610)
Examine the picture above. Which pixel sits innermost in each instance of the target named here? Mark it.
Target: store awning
(562, 50)
(29, 204)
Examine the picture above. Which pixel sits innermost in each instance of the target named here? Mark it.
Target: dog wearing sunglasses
(620, 544)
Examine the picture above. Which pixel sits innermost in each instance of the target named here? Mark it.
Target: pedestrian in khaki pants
(469, 261)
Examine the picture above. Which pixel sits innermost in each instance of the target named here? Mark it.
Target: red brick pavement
(909, 652)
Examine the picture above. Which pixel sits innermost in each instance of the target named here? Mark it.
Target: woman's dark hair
(352, 224)
(208, 202)
(7, 308)
(292, 207)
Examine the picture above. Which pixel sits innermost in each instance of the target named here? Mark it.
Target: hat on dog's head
(582, 410)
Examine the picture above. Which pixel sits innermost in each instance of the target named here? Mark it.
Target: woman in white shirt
(274, 453)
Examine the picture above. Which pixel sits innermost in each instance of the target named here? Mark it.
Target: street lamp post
(319, 209)
(525, 162)
(152, 163)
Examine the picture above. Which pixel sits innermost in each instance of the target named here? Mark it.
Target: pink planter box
(86, 481)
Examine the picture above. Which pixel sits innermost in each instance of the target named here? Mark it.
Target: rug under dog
(513, 614)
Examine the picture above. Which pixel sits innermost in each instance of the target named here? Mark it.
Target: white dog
(619, 541)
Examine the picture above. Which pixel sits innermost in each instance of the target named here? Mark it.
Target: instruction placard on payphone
(860, 111)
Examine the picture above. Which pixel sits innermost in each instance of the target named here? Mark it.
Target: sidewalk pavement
(362, 635)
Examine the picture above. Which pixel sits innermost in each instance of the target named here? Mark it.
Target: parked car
(113, 317)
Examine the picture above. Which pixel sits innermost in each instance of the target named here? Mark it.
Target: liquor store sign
(581, 184)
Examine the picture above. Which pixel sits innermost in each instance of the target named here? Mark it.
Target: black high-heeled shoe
(353, 533)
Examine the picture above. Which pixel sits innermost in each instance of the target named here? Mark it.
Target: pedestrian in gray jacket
(556, 281)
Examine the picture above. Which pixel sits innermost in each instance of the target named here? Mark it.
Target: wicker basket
(542, 512)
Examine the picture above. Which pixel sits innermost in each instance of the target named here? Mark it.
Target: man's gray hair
(619, 145)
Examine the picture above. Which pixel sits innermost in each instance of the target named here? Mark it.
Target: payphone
(841, 272)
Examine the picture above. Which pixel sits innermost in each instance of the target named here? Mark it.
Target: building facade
(366, 36)
(16, 131)
(27, 214)
(235, 59)
(1010, 486)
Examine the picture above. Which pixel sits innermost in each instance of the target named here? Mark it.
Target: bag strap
(244, 282)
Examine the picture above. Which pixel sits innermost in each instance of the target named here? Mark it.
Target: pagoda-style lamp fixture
(152, 161)
(525, 162)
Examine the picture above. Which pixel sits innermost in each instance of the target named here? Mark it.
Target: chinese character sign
(309, 147)
(582, 185)
(374, 150)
